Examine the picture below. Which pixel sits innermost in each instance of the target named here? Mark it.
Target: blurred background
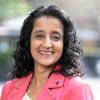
(85, 15)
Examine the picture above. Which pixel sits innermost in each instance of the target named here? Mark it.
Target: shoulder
(15, 82)
(78, 88)
(7, 87)
(76, 82)
(11, 85)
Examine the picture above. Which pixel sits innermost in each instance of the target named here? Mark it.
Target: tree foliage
(13, 8)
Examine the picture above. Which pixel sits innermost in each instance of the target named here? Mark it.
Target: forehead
(48, 21)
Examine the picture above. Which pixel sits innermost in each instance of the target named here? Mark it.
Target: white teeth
(46, 52)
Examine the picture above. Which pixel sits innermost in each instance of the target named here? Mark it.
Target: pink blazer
(57, 87)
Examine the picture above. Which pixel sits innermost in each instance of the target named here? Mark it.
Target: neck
(41, 74)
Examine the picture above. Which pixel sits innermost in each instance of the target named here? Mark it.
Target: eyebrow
(40, 31)
(54, 32)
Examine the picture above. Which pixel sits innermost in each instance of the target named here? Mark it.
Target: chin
(48, 64)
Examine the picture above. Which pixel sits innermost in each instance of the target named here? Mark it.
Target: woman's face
(46, 41)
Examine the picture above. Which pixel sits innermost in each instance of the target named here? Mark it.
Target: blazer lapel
(48, 92)
(54, 82)
(20, 87)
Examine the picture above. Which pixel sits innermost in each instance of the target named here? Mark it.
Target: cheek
(33, 46)
(59, 48)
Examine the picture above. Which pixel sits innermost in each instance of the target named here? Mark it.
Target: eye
(56, 38)
(39, 36)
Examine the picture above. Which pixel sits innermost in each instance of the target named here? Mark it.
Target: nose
(47, 43)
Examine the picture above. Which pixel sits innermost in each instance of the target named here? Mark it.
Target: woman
(47, 60)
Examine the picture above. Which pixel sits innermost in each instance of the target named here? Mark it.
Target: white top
(26, 97)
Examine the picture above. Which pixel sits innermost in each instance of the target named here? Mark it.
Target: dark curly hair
(70, 59)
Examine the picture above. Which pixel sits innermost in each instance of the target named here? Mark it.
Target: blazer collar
(22, 81)
(55, 81)
(20, 86)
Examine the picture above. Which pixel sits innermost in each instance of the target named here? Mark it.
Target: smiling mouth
(46, 52)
